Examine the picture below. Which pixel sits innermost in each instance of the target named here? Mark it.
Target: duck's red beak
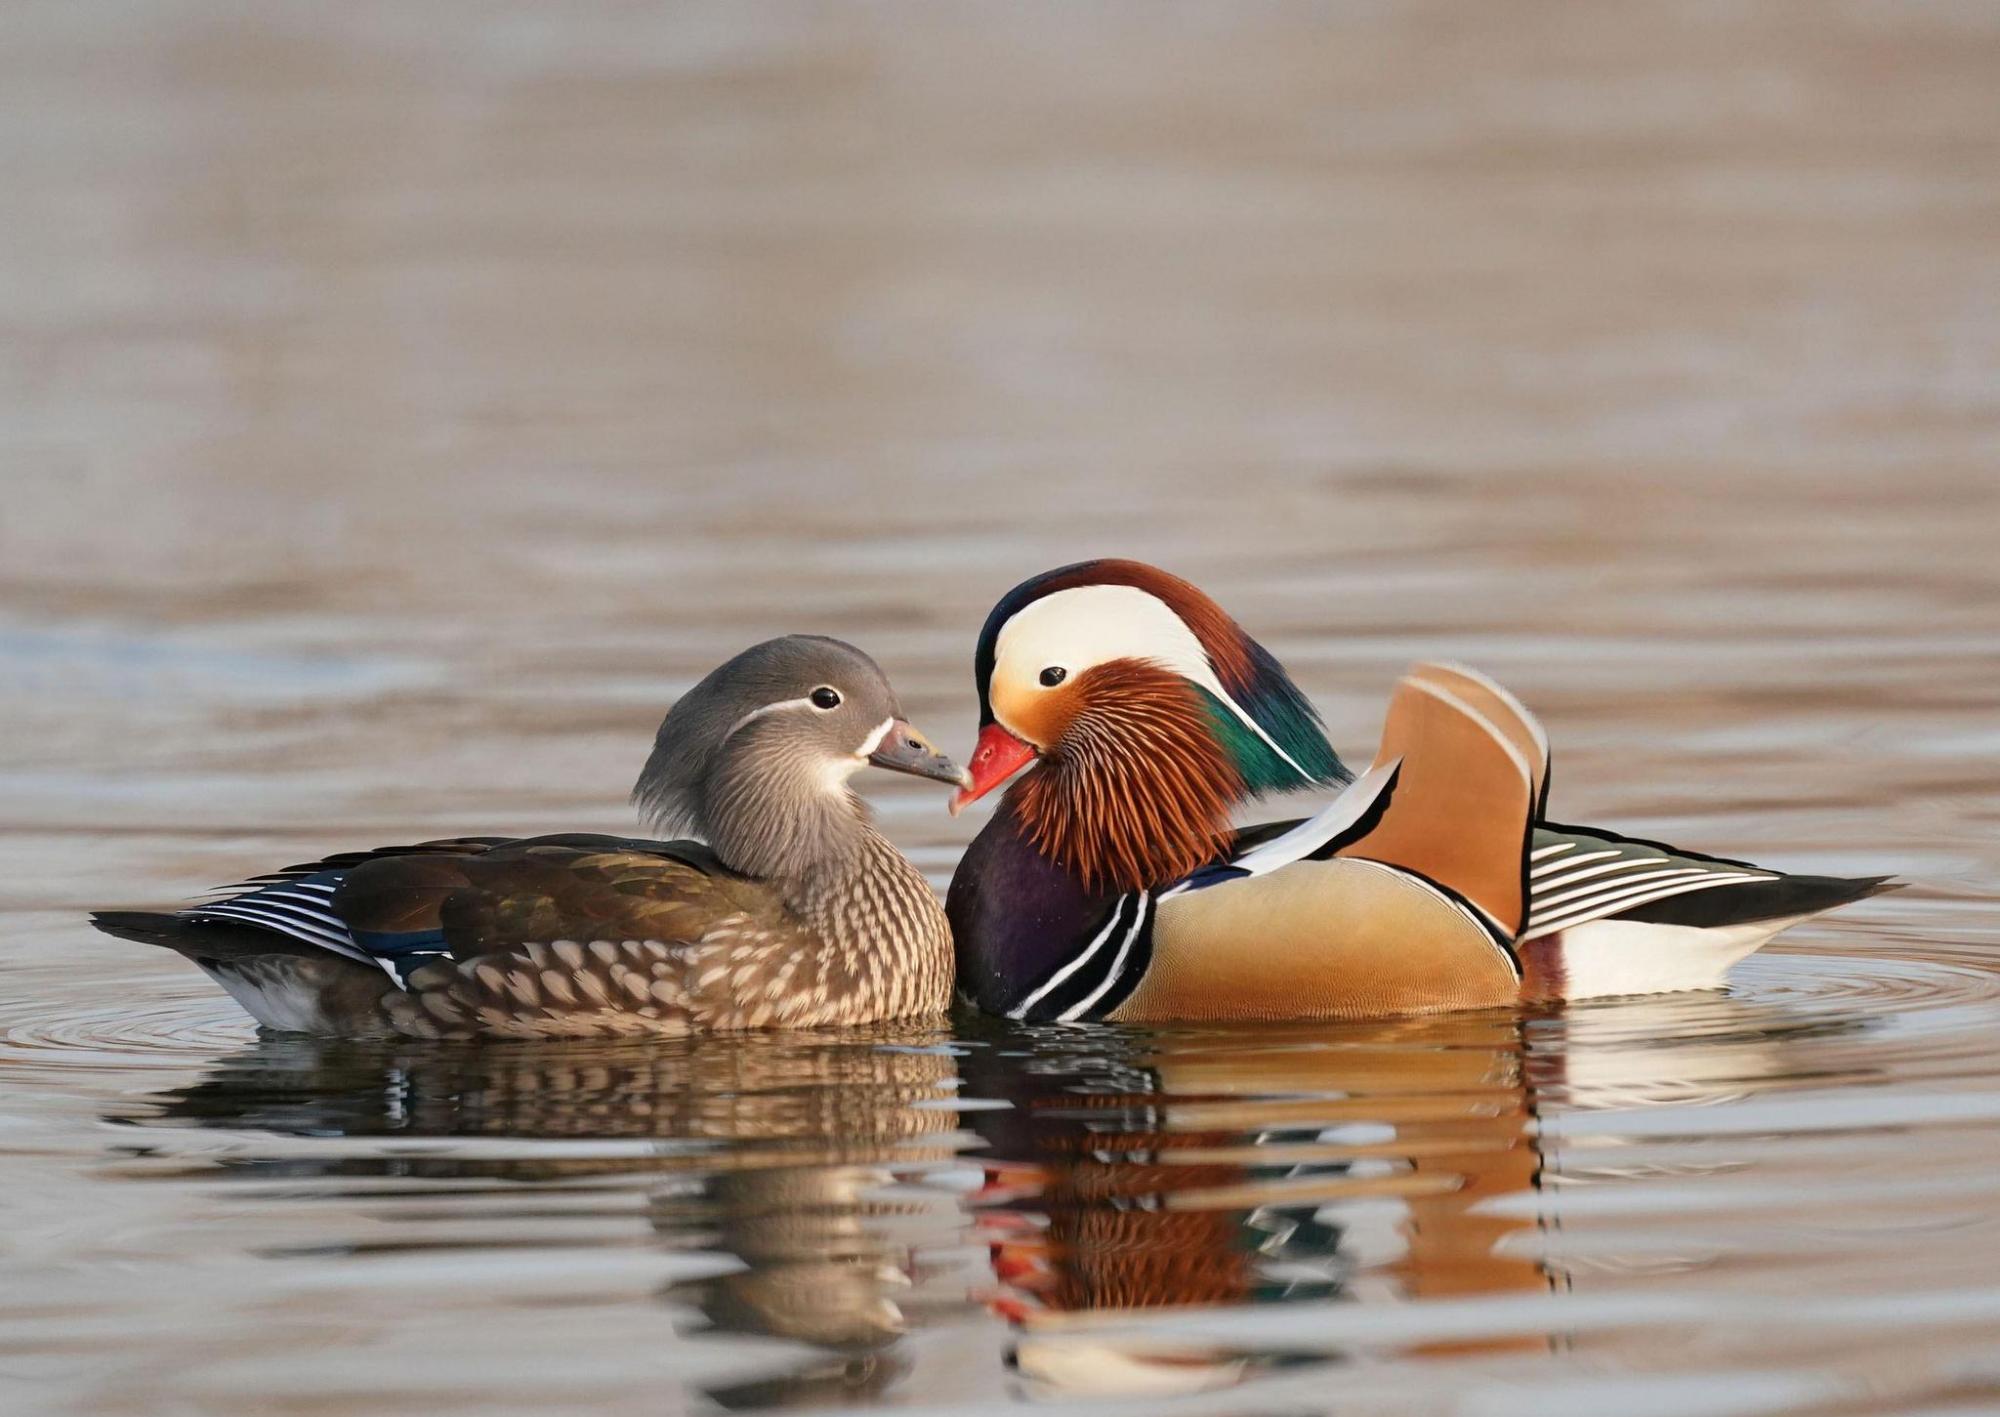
(998, 756)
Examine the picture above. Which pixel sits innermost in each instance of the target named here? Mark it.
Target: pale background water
(400, 404)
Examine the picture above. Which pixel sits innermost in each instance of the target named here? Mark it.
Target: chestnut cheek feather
(1135, 790)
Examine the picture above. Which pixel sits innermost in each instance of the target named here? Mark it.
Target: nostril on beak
(915, 743)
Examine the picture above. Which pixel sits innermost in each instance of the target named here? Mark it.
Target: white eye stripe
(868, 745)
(1085, 626)
(782, 706)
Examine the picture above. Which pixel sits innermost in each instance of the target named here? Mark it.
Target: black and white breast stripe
(1574, 881)
(1097, 979)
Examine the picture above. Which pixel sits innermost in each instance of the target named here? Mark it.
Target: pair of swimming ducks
(1110, 883)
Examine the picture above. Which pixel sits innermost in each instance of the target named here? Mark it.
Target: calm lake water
(400, 405)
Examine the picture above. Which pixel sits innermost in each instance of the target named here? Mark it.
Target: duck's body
(1111, 885)
(795, 912)
(564, 936)
(1336, 938)
(1351, 914)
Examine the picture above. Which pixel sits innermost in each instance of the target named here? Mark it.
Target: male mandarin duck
(792, 911)
(1110, 884)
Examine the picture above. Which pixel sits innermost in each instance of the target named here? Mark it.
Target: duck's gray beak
(903, 749)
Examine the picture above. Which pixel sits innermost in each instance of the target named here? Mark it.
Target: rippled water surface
(400, 405)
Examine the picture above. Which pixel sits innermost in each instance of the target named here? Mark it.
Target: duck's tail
(281, 982)
(200, 940)
(1789, 899)
(145, 927)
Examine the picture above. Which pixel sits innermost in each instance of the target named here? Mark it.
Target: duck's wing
(283, 948)
(1506, 714)
(1260, 850)
(560, 889)
(297, 902)
(1612, 915)
(533, 936)
(387, 906)
(545, 938)
(1463, 801)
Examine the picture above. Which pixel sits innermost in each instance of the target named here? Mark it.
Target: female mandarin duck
(795, 912)
(1110, 883)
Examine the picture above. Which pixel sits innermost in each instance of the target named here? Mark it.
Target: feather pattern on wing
(1576, 876)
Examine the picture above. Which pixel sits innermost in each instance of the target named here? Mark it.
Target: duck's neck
(882, 925)
(777, 819)
(872, 898)
(845, 882)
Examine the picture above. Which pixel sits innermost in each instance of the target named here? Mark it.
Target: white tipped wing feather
(1578, 877)
(301, 908)
(1315, 833)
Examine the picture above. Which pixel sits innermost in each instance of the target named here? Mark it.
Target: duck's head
(756, 757)
(1136, 691)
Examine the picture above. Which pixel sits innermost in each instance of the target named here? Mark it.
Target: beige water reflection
(800, 1162)
(400, 405)
(871, 1202)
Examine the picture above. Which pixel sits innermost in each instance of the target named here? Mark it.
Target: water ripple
(67, 1034)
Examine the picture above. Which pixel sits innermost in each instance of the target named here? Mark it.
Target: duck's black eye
(1053, 676)
(825, 698)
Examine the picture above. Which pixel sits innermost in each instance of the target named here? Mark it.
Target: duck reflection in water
(1384, 1162)
(1125, 1172)
(1228, 1167)
(800, 1157)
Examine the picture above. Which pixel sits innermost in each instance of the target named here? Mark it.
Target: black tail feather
(283, 983)
(199, 939)
(1784, 898)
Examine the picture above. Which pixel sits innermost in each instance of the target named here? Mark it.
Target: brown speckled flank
(867, 945)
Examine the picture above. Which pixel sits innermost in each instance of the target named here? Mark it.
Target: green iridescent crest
(1292, 728)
